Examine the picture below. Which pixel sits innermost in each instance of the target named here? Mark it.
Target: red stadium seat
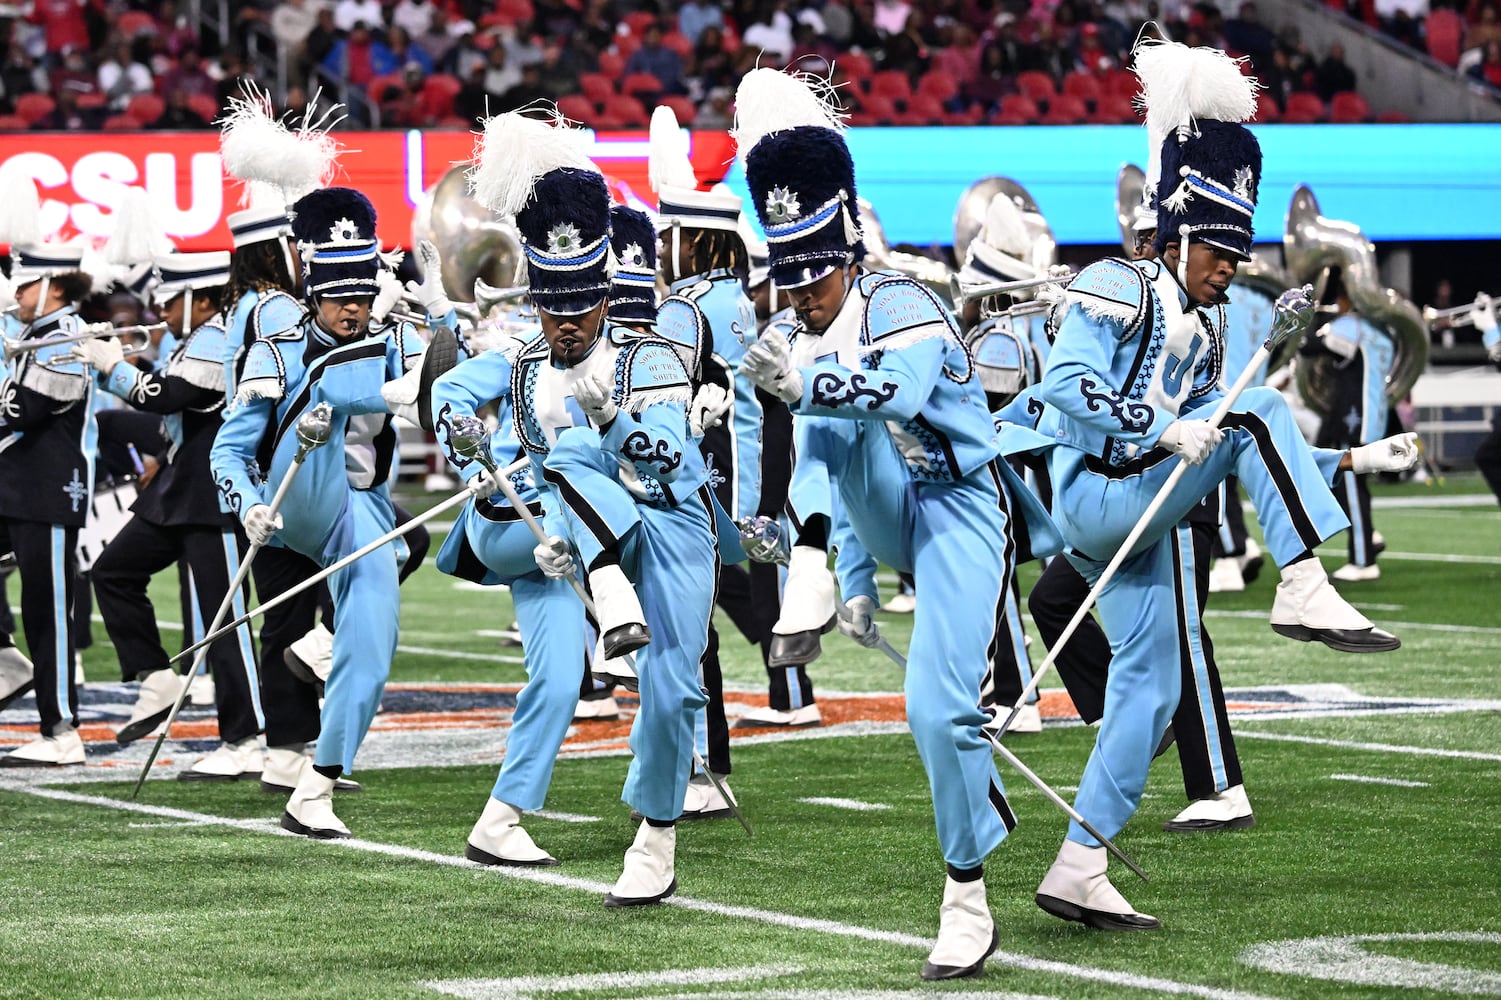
(438, 95)
(131, 23)
(1393, 118)
(1122, 82)
(1036, 85)
(92, 101)
(1348, 108)
(636, 84)
(627, 109)
(13, 123)
(122, 123)
(520, 11)
(972, 115)
(1016, 109)
(1442, 31)
(1084, 86)
(34, 107)
(611, 64)
(577, 108)
(378, 86)
(1112, 109)
(922, 109)
(682, 107)
(856, 65)
(204, 106)
(638, 20)
(891, 83)
(1066, 109)
(876, 109)
(596, 86)
(625, 45)
(678, 43)
(146, 108)
(1266, 110)
(938, 84)
(1303, 108)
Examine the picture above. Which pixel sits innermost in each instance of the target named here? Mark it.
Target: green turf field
(1374, 869)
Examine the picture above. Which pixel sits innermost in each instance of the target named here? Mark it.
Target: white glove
(1493, 352)
(1193, 439)
(769, 364)
(554, 558)
(102, 354)
(1483, 314)
(858, 621)
(261, 524)
(482, 485)
(1397, 453)
(387, 298)
(708, 408)
(593, 396)
(430, 290)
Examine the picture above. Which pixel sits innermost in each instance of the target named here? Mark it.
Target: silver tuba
(1130, 195)
(475, 244)
(969, 219)
(878, 253)
(1312, 246)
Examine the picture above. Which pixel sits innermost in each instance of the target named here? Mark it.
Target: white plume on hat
(668, 160)
(138, 236)
(769, 100)
(278, 164)
(515, 151)
(20, 212)
(1180, 84)
(1005, 229)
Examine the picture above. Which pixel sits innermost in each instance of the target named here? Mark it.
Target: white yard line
(1372, 780)
(1442, 557)
(1468, 629)
(612, 982)
(1253, 734)
(563, 817)
(791, 921)
(1457, 500)
(454, 654)
(855, 805)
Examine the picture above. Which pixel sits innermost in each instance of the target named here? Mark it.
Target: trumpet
(963, 292)
(57, 364)
(1456, 315)
(13, 348)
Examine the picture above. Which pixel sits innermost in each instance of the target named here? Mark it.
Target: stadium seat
(606, 122)
(596, 86)
(678, 43)
(378, 86)
(122, 123)
(1016, 109)
(1393, 118)
(611, 64)
(974, 114)
(1348, 108)
(1036, 85)
(1121, 82)
(1303, 108)
(876, 109)
(938, 84)
(625, 45)
(1085, 86)
(856, 65)
(577, 108)
(131, 23)
(892, 84)
(438, 95)
(92, 101)
(13, 123)
(627, 109)
(638, 20)
(1112, 109)
(204, 106)
(1065, 109)
(1266, 110)
(520, 11)
(1443, 31)
(637, 84)
(922, 109)
(682, 107)
(34, 107)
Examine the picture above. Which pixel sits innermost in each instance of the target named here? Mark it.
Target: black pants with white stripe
(1488, 457)
(1354, 495)
(45, 564)
(1084, 665)
(212, 555)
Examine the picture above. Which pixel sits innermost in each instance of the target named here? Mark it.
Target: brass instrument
(1456, 315)
(57, 364)
(963, 293)
(1312, 247)
(969, 220)
(1130, 191)
(475, 244)
(13, 348)
(878, 253)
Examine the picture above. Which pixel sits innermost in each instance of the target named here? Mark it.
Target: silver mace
(471, 439)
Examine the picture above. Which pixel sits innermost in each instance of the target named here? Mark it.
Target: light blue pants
(670, 555)
(553, 635)
(955, 539)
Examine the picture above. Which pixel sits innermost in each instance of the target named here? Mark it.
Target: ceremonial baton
(471, 439)
(330, 570)
(1293, 312)
(313, 430)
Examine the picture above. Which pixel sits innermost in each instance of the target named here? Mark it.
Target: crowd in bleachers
(90, 64)
(1462, 34)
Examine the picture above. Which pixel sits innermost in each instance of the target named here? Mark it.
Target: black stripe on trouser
(718, 730)
(419, 540)
(1000, 635)
(1188, 721)
(1282, 477)
(576, 503)
(1002, 807)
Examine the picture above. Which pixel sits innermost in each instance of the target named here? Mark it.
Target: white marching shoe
(63, 748)
(310, 810)
(1028, 720)
(15, 675)
(1224, 576)
(201, 692)
(159, 691)
(1227, 810)
(808, 609)
(776, 718)
(901, 603)
(497, 839)
(1077, 888)
(283, 768)
(704, 801)
(311, 658)
(230, 762)
(1351, 573)
(648, 877)
(1307, 607)
(596, 709)
(622, 623)
(966, 932)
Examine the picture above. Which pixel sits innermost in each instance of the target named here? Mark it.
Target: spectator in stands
(500, 75)
(995, 79)
(908, 50)
(395, 52)
(178, 115)
(471, 101)
(64, 24)
(291, 23)
(1488, 70)
(1041, 55)
(21, 74)
(179, 33)
(961, 58)
(437, 42)
(528, 91)
(657, 59)
(1089, 55)
(891, 16)
(521, 50)
(1334, 74)
(232, 77)
(350, 57)
(712, 65)
(1245, 33)
(558, 71)
(189, 78)
(321, 40)
(696, 15)
(121, 77)
(1487, 28)
(467, 54)
(413, 17)
(348, 14)
(75, 75)
(810, 53)
(67, 116)
(771, 32)
(1277, 79)
(401, 103)
(717, 111)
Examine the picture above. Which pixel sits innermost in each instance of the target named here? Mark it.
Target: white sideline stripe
(1442, 557)
(1371, 780)
(832, 927)
(854, 804)
(1458, 500)
(1374, 747)
(1346, 961)
(455, 654)
(1468, 629)
(515, 989)
(563, 817)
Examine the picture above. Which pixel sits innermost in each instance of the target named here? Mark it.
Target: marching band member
(708, 314)
(15, 668)
(603, 412)
(1488, 455)
(893, 423)
(177, 518)
(340, 498)
(47, 417)
(1135, 362)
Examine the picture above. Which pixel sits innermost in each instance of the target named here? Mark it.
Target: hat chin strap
(41, 298)
(286, 256)
(187, 312)
(1183, 232)
(677, 248)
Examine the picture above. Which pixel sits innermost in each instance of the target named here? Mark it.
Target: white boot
(966, 932)
(15, 675)
(230, 762)
(1227, 810)
(201, 691)
(1351, 573)
(284, 766)
(1307, 607)
(808, 608)
(596, 709)
(311, 658)
(647, 877)
(622, 623)
(775, 718)
(703, 800)
(159, 691)
(310, 810)
(497, 839)
(1028, 720)
(64, 747)
(1224, 576)
(1077, 888)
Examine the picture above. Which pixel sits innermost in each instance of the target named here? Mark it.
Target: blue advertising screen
(1397, 182)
